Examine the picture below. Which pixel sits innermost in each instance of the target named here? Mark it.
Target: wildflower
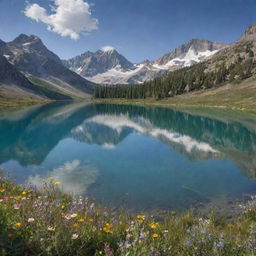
(91, 220)
(16, 206)
(63, 206)
(56, 183)
(107, 228)
(109, 225)
(74, 236)
(81, 220)
(141, 217)
(187, 243)
(73, 215)
(155, 235)
(10, 235)
(50, 178)
(2, 190)
(75, 225)
(31, 220)
(67, 217)
(220, 245)
(153, 225)
(51, 228)
(142, 235)
(18, 225)
(24, 192)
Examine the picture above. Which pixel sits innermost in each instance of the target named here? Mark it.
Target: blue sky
(139, 29)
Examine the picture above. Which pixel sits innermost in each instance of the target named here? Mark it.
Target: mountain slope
(196, 50)
(29, 55)
(232, 65)
(107, 66)
(14, 85)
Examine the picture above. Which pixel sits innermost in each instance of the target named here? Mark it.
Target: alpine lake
(133, 157)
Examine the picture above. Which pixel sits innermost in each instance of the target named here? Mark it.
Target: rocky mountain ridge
(110, 67)
(31, 57)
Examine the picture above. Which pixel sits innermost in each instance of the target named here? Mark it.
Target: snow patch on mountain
(107, 49)
(116, 75)
(190, 58)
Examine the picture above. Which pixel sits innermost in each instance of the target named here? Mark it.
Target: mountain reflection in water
(130, 156)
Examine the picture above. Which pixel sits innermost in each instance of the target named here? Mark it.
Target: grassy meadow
(49, 222)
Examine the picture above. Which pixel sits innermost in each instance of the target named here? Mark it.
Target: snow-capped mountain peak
(107, 49)
(107, 66)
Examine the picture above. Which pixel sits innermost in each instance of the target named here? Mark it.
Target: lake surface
(130, 156)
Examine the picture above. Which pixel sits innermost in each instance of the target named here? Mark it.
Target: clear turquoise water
(130, 156)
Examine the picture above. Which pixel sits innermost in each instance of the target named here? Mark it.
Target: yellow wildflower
(18, 225)
(75, 225)
(155, 235)
(107, 230)
(50, 178)
(51, 228)
(141, 217)
(24, 192)
(57, 183)
(2, 190)
(63, 206)
(81, 220)
(108, 225)
(153, 225)
(91, 220)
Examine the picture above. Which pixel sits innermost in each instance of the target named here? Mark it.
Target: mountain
(107, 66)
(29, 55)
(14, 85)
(230, 66)
(2, 45)
(91, 64)
(249, 34)
(196, 50)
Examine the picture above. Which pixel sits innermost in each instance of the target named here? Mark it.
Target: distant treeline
(184, 80)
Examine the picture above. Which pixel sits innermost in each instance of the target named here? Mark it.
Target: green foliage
(51, 223)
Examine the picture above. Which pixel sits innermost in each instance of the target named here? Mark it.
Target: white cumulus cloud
(68, 17)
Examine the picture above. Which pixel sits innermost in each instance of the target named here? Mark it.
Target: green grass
(49, 89)
(52, 223)
(21, 102)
